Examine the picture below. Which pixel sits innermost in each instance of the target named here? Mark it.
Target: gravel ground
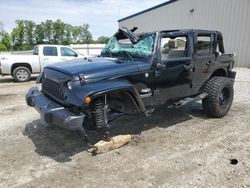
(172, 148)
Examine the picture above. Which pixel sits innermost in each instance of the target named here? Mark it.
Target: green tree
(29, 32)
(102, 40)
(26, 34)
(2, 47)
(76, 33)
(86, 36)
(14, 38)
(58, 27)
(48, 30)
(18, 35)
(6, 40)
(68, 34)
(39, 33)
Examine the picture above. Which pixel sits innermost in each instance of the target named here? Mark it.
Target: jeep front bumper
(52, 112)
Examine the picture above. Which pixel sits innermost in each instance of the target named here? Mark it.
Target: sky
(101, 15)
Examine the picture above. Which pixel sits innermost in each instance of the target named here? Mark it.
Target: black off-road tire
(21, 74)
(220, 96)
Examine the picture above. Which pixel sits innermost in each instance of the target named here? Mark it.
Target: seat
(167, 48)
(176, 54)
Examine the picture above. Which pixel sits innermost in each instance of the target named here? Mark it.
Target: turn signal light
(87, 100)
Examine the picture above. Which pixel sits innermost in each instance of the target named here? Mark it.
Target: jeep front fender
(77, 95)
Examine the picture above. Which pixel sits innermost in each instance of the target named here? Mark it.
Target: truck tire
(220, 96)
(21, 74)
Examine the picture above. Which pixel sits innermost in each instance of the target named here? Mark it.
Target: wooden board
(114, 143)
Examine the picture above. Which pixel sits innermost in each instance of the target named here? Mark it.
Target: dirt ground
(172, 148)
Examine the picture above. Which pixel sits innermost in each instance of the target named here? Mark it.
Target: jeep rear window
(124, 48)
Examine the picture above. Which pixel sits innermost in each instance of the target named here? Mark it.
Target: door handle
(45, 59)
(189, 67)
(157, 73)
(208, 62)
(63, 59)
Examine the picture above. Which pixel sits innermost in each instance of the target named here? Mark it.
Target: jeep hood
(94, 68)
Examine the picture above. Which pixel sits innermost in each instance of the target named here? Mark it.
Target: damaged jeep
(134, 74)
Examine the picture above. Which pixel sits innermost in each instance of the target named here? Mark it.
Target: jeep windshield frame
(132, 48)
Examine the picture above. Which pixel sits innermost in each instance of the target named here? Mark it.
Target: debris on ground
(114, 143)
(233, 161)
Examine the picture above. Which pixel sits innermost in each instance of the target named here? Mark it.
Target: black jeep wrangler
(134, 74)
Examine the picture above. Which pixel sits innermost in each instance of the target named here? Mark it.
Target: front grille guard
(53, 89)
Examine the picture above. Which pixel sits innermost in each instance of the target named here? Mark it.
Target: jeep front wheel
(220, 96)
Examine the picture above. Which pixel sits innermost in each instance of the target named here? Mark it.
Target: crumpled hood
(95, 67)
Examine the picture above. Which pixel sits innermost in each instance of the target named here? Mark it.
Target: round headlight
(69, 85)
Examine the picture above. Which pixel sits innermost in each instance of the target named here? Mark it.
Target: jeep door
(203, 57)
(174, 70)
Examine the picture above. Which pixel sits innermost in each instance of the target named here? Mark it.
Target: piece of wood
(114, 143)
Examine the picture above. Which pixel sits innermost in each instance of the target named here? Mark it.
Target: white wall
(231, 17)
(84, 49)
(88, 49)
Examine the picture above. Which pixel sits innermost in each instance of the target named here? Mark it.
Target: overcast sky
(102, 15)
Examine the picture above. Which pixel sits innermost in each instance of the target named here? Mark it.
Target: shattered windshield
(124, 49)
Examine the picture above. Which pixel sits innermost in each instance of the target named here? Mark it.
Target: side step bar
(188, 100)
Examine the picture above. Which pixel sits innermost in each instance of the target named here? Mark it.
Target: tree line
(27, 34)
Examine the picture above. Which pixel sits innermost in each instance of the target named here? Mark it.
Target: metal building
(231, 17)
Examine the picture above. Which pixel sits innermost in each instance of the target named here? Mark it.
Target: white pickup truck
(22, 66)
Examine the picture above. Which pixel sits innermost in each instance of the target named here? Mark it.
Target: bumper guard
(52, 112)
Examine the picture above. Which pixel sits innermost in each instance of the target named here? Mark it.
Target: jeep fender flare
(222, 71)
(97, 89)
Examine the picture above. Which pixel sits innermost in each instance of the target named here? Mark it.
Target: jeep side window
(49, 51)
(172, 48)
(205, 45)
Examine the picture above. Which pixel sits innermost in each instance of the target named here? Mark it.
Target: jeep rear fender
(95, 90)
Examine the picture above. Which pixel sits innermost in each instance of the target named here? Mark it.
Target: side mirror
(76, 55)
(160, 66)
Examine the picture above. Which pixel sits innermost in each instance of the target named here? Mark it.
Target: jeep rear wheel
(21, 74)
(220, 96)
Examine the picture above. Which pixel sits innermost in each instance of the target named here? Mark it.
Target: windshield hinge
(82, 78)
